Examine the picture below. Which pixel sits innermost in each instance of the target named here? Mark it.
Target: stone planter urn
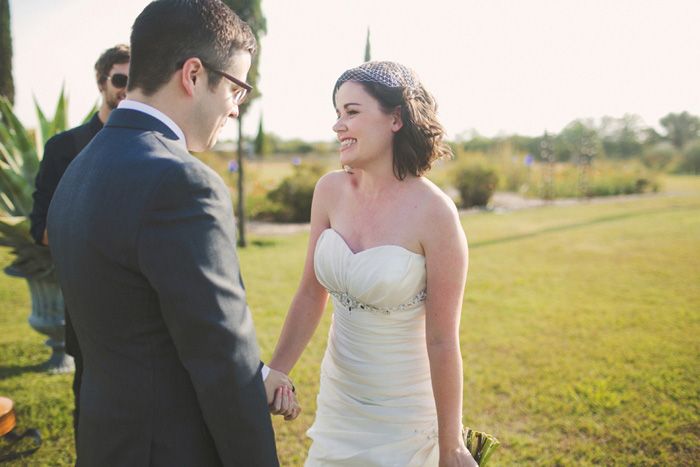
(48, 318)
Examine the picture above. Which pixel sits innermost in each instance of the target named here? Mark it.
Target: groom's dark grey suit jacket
(143, 237)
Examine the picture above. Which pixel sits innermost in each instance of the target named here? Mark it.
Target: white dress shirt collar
(155, 113)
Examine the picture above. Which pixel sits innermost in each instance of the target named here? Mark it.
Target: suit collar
(135, 119)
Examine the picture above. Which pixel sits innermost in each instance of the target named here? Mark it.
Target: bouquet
(480, 445)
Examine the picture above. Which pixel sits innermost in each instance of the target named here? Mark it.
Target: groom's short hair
(169, 32)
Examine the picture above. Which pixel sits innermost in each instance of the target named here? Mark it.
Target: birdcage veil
(390, 74)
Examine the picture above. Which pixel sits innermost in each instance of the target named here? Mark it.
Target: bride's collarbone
(365, 224)
(360, 236)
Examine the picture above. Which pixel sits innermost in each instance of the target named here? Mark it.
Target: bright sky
(496, 66)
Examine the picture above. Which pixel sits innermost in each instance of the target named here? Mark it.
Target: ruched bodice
(375, 405)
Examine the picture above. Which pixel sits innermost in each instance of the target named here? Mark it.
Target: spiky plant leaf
(20, 155)
(94, 109)
(16, 188)
(60, 118)
(18, 134)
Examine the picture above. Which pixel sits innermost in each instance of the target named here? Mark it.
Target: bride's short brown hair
(419, 142)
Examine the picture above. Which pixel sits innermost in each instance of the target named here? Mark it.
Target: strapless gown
(375, 404)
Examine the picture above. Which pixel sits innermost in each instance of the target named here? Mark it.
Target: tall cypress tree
(260, 139)
(249, 11)
(368, 55)
(7, 85)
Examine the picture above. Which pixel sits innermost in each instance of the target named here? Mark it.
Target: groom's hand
(280, 395)
(275, 379)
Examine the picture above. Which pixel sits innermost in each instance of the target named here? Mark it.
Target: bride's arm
(446, 254)
(310, 300)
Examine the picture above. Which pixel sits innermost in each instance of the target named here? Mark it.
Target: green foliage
(659, 156)
(7, 85)
(299, 147)
(621, 138)
(579, 336)
(577, 137)
(251, 12)
(690, 162)
(295, 193)
(604, 177)
(20, 155)
(613, 138)
(368, 53)
(258, 204)
(476, 181)
(293, 146)
(681, 128)
(262, 143)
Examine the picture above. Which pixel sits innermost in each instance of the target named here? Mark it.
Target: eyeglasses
(118, 80)
(240, 95)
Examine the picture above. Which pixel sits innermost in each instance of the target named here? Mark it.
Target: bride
(387, 245)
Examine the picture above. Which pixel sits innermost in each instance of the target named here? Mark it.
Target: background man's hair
(116, 55)
(169, 32)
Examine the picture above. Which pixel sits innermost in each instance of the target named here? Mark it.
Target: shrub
(475, 183)
(258, 204)
(515, 176)
(659, 157)
(690, 162)
(295, 193)
(602, 178)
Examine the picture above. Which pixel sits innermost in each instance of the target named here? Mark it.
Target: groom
(143, 238)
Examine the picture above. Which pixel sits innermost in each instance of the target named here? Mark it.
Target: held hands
(285, 403)
(281, 397)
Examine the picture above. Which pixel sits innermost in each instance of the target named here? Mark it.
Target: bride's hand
(460, 457)
(285, 403)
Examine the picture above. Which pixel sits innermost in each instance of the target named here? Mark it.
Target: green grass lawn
(579, 336)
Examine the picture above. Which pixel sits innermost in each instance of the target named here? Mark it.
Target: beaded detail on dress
(351, 303)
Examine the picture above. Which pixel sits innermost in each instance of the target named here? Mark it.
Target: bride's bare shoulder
(434, 199)
(332, 182)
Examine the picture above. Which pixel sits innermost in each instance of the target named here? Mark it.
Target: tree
(574, 137)
(7, 86)
(368, 55)
(249, 11)
(681, 128)
(691, 159)
(622, 137)
(261, 144)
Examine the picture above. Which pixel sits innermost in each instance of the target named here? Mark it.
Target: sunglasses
(118, 80)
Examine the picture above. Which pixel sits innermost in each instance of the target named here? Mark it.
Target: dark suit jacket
(60, 151)
(143, 237)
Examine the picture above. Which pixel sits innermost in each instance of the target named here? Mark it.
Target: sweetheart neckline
(370, 248)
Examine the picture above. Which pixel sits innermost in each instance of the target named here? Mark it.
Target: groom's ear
(190, 73)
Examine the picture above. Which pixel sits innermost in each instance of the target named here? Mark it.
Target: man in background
(111, 72)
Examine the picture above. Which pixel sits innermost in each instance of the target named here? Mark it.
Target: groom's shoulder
(180, 169)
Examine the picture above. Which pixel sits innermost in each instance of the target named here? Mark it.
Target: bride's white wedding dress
(375, 405)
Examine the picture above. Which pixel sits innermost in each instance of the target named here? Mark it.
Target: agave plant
(20, 155)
